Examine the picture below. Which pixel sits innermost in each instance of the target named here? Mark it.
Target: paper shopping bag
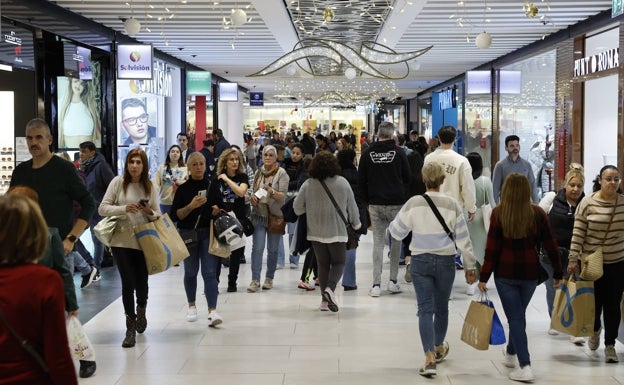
(161, 244)
(477, 326)
(573, 308)
(215, 247)
(79, 344)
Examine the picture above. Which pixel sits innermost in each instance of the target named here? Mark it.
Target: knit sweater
(114, 203)
(590, 224)
(324, 222)
(428, 234)
(32, 301)
(458, 182)
(507, 166)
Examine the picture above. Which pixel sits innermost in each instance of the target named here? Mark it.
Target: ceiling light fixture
(131, 25)
(368, 59)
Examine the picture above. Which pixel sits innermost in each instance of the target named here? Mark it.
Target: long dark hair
(168, 159)
(144, 179)
(596, 181)
(476, 163)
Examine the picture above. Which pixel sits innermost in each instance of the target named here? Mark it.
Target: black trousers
(608, 294)
(133, 273)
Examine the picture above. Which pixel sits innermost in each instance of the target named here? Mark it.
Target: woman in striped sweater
(599, 221)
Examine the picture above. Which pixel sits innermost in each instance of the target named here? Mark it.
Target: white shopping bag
(79, 344)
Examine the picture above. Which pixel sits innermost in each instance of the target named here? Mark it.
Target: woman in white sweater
(326, 229)
(134, 199)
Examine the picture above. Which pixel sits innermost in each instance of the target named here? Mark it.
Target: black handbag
(189, 236)
(248, 227)
(353, 238)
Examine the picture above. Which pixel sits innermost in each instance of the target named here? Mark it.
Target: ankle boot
(141, 321)
(130, 339)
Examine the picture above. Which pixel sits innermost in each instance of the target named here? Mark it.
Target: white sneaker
(523, 374)
(394, 288)
(471, 289)
(578, 341)
(553, 332)
(191, 314)
(375, 291)
(214, 318)
(510, 360)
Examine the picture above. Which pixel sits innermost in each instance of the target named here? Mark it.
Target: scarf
(86, 164)
(260, 213)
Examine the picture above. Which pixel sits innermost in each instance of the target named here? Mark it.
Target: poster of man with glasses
(135, 122)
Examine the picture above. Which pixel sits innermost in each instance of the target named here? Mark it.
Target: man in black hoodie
(382, 176)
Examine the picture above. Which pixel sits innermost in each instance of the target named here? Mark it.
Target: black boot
(87, 368)
(130, 339)
(141, 321)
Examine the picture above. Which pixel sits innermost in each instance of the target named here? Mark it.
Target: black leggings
(309, 266)
(235, 259)
(133, 273)
(608, 295)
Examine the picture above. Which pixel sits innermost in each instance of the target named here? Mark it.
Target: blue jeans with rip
(262, 238)
(348, 276)
(210, 265)
(515, 295)
(432, 277)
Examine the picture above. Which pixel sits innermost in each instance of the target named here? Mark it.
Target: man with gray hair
(382, 176)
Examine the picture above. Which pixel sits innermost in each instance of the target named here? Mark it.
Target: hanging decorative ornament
(483, 40)
(350, 73)
(238, 17)
(328, 14)
(132, 26)
(531, 10)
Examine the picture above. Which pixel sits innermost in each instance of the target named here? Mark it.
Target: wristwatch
(72, 238)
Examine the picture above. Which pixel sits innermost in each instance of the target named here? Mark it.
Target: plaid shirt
(518, 258)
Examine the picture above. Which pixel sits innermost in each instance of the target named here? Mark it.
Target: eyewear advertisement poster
(141, 123)
(78, 113)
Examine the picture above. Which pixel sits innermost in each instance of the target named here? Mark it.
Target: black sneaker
(97, 277)
(88, 278)
(87, 368)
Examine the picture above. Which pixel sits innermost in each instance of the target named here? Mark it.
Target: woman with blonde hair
(79, 119)
(433, 247)
(561, 207)
(133, 198)
(517, 229)
(32, 331)
(599, 221)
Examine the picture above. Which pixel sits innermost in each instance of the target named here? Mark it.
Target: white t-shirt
(78, 120)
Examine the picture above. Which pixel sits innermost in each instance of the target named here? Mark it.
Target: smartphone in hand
(144, 202)
(201, 193)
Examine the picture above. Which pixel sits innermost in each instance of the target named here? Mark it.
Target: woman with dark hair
(346, 159)
(294, 168)
(599, 222)
(32, 300)
(326, 229)
(133, 198)
(170, 176)
(476, 228)
(517, 230)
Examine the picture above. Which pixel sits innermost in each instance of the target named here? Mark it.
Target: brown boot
(130, 339)
(141, 321)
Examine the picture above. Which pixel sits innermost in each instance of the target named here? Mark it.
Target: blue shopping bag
(498, 333)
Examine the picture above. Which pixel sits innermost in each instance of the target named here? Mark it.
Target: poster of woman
(79, 117)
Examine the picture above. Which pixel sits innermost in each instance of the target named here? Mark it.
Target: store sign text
(596, 63)
(162, 83)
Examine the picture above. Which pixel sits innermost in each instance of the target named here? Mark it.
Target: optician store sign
(134, 61)
(599, 62)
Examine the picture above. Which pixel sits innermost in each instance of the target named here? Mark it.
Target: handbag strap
(439, 216)
(334, 202)
(24, 344)
(202, 208)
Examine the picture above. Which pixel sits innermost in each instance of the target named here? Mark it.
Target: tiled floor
(279, 337)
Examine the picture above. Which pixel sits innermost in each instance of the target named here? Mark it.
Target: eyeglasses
(611, 180)
(269, 155)
(133, 121)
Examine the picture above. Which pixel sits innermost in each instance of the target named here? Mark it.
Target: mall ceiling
(201, 32)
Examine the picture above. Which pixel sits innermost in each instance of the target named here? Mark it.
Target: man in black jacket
(382, 176)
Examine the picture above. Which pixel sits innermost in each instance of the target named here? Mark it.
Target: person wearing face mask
(599, 221)
(561, 207)
(169, 176)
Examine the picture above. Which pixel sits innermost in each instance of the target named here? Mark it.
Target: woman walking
(517, 229)
(134, 199)
(169, 177)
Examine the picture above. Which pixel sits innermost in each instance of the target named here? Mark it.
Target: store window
(527, 109)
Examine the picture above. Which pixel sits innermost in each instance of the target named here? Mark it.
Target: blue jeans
(98, 247)
(164, 209)
(550, 290)
(210, 264)
(432, 277)
(73, 260)
(281, 253)
(515, 295)
(348, 276)
(294, 258)
(261, 238)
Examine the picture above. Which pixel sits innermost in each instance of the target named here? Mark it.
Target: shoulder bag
(189, 236)
(486, 210)
(439, 216)
(591, 263)
(105, 228)
(352, 236)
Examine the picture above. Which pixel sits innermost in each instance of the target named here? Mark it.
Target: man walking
(183, 142)
(511, 164)
(382, 175)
